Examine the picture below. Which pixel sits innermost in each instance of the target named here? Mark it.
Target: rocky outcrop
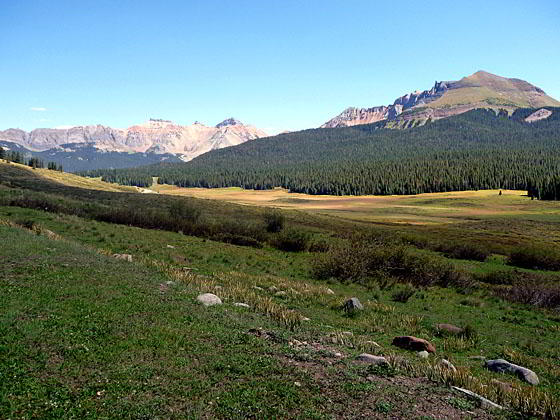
(154, 136)
(357, 116)
(541, 114)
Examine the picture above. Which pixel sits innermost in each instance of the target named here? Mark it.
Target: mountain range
(154, 137)
(98, 147)
(444, 99)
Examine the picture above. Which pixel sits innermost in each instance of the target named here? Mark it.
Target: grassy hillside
(87, 335)
(484, 88)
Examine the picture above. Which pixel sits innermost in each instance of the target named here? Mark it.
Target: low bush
(403, 293)
(464, 251)
(238, 240)
(498, 277)
(543, 294)
(184, 210)
(291, 240)
(536, 257)
(363, 262)
(274, 221)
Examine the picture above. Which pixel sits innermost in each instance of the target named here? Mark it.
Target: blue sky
(279, 65)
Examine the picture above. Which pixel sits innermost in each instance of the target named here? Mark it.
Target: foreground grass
(136, 329)
(87, 336)
(156, 353)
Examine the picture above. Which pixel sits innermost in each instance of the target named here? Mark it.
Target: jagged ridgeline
(480, 149)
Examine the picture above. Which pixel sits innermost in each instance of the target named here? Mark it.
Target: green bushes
(291, 240)
(361, 261)
(183, 210)
(274, 221)
(541, 293)
(536, 257)
(403, 293)
(464, 251)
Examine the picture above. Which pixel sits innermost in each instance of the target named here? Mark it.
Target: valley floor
(84, 334)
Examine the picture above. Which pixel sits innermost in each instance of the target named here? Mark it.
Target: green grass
(83, 335)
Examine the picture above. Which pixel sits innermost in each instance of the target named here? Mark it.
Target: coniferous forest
(480, 149)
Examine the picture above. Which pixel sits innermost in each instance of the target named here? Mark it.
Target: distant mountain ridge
(154, 136)
(77, 157)
(447, 98)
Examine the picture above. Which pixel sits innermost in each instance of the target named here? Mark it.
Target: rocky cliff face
(479, 90)
(153, 136)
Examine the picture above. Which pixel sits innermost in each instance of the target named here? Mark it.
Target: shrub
(274, 221)
(291, 240)
(362, 262)
(238, 240)
(498, 277)
(464, 251)
(536, 257)
(403, 293)
(183, 210)
(544, 294)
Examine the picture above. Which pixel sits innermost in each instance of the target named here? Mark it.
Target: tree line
(33, 162)
(480, 149)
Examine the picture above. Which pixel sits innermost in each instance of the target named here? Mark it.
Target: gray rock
(371, 359)
(125, 257)
(241, 305)
(352, 305)
(483, 401)
(449, 329)
(209, 299)
(503, 366)
(448, 365)
(423, 354)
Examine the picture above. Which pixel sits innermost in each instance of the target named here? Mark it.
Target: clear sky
(279, 65)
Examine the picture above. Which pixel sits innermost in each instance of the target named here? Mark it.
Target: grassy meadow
(85, 335)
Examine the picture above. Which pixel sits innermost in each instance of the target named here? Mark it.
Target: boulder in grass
(423, 354)
(371, 359)
(409, 342)
(353, 305)
(209, 299)
(450, 329)
(125, 257)
(503, 366)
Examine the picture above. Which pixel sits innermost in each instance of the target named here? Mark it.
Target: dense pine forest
(480, 149)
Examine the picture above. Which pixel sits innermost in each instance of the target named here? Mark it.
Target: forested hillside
(475, 150)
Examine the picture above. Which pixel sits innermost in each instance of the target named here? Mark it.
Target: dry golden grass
(73, 180)
(421, 209)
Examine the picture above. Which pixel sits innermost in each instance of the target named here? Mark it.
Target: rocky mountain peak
(229, 122)
(446, 98)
